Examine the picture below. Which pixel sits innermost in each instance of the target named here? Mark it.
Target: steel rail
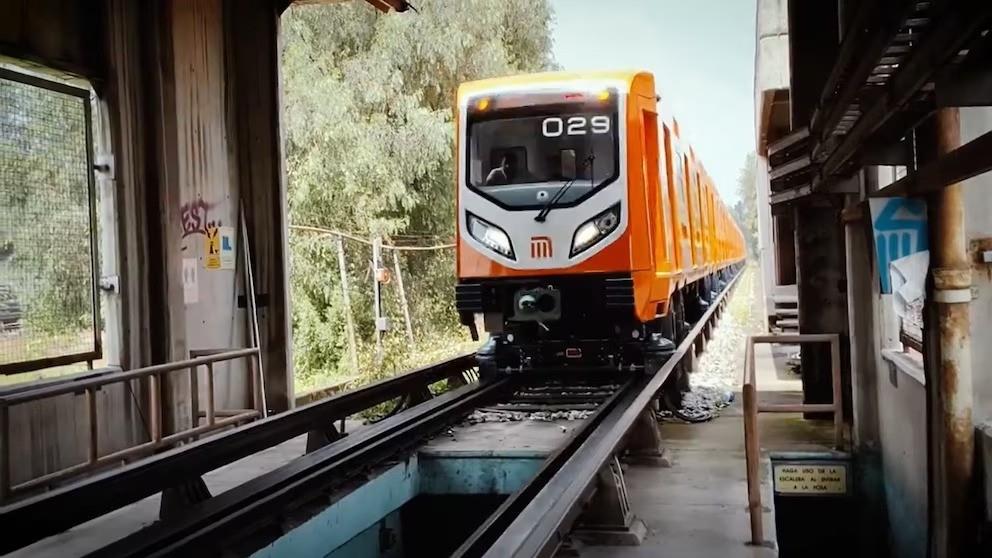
(485, 535)
(32, 519)
(543, 523)
(209, 525)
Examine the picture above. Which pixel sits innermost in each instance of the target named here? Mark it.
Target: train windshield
(521, 157)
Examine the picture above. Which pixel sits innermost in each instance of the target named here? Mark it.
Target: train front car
(553, 235)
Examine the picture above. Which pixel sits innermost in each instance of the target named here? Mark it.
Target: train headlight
(490, 235)
(595, 229)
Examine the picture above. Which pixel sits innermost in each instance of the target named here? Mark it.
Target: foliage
(745, 211)
(369, 130)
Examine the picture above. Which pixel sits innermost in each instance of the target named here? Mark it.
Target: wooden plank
(787, 141)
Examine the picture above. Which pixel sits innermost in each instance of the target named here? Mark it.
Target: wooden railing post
(838, 392)
(211, 416)
(4, 452)
(194, 396)
(752, 447)
(89, 387)
(155, 407)
(94, 445)
(752, 454)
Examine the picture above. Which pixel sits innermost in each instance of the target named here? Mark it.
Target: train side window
(651, 171)
(673, 198)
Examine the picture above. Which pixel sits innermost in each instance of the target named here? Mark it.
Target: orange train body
(578, 200)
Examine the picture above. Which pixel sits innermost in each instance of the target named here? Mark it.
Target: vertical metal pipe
(94, 446)
(951, 368)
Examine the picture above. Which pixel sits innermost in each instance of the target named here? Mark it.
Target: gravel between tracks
(717, 377)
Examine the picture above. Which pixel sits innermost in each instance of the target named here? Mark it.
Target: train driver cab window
(521, 156)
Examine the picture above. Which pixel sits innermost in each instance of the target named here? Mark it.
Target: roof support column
(822, 289)
(948, 360)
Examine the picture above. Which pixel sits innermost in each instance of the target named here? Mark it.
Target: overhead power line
(356, 238)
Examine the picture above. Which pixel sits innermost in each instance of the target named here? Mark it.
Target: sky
(701, 53)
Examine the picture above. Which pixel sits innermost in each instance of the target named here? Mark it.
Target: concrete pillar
(864, 376)
(861, 324)
(822, 293)
(766, 243)
(253, 68)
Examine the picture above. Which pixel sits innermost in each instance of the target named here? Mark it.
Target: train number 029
(575, 126)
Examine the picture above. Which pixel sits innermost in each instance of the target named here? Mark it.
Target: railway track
(32, 519)
(539, 517)
(533, 521)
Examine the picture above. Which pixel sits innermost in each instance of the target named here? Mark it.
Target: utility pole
(406, 306)
(377, 278)
(346, 300)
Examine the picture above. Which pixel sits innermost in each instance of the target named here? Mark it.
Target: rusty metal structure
(872, 85)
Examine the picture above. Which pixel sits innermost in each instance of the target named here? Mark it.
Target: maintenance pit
(457, 479)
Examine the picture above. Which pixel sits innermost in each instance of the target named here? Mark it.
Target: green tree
(369, 130)
(746, 208)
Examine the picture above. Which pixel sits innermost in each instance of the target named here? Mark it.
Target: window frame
(84, 96)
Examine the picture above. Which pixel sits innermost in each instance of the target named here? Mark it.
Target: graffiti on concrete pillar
(195, 217)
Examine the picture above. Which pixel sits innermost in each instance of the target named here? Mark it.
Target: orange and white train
(589, 234)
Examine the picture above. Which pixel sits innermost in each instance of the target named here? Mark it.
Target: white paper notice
(909, 276)
(191, 286)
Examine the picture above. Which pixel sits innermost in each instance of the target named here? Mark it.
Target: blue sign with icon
(899, 226)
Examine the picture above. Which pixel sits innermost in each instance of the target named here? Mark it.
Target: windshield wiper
(543, 214)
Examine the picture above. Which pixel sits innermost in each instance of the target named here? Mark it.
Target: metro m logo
(540, 247)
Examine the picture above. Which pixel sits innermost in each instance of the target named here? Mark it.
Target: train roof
(626, 76)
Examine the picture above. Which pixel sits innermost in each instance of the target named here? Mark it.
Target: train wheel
(672, 390)
(485, 358)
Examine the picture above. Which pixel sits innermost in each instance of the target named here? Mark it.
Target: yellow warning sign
(211, 255)
(795, 478)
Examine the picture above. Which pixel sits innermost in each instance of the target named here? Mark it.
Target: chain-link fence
(48, 304)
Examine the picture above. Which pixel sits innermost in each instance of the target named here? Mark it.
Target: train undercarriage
(580, 323)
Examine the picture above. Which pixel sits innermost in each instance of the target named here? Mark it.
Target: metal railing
(215, 419)
(752, 445)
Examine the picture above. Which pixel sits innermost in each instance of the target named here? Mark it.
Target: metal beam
(785, 143)
(850, 185)
(795, 165)
(875, 25)
(967, 161)
(208, 528)
(952, 30)
(793, 194)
